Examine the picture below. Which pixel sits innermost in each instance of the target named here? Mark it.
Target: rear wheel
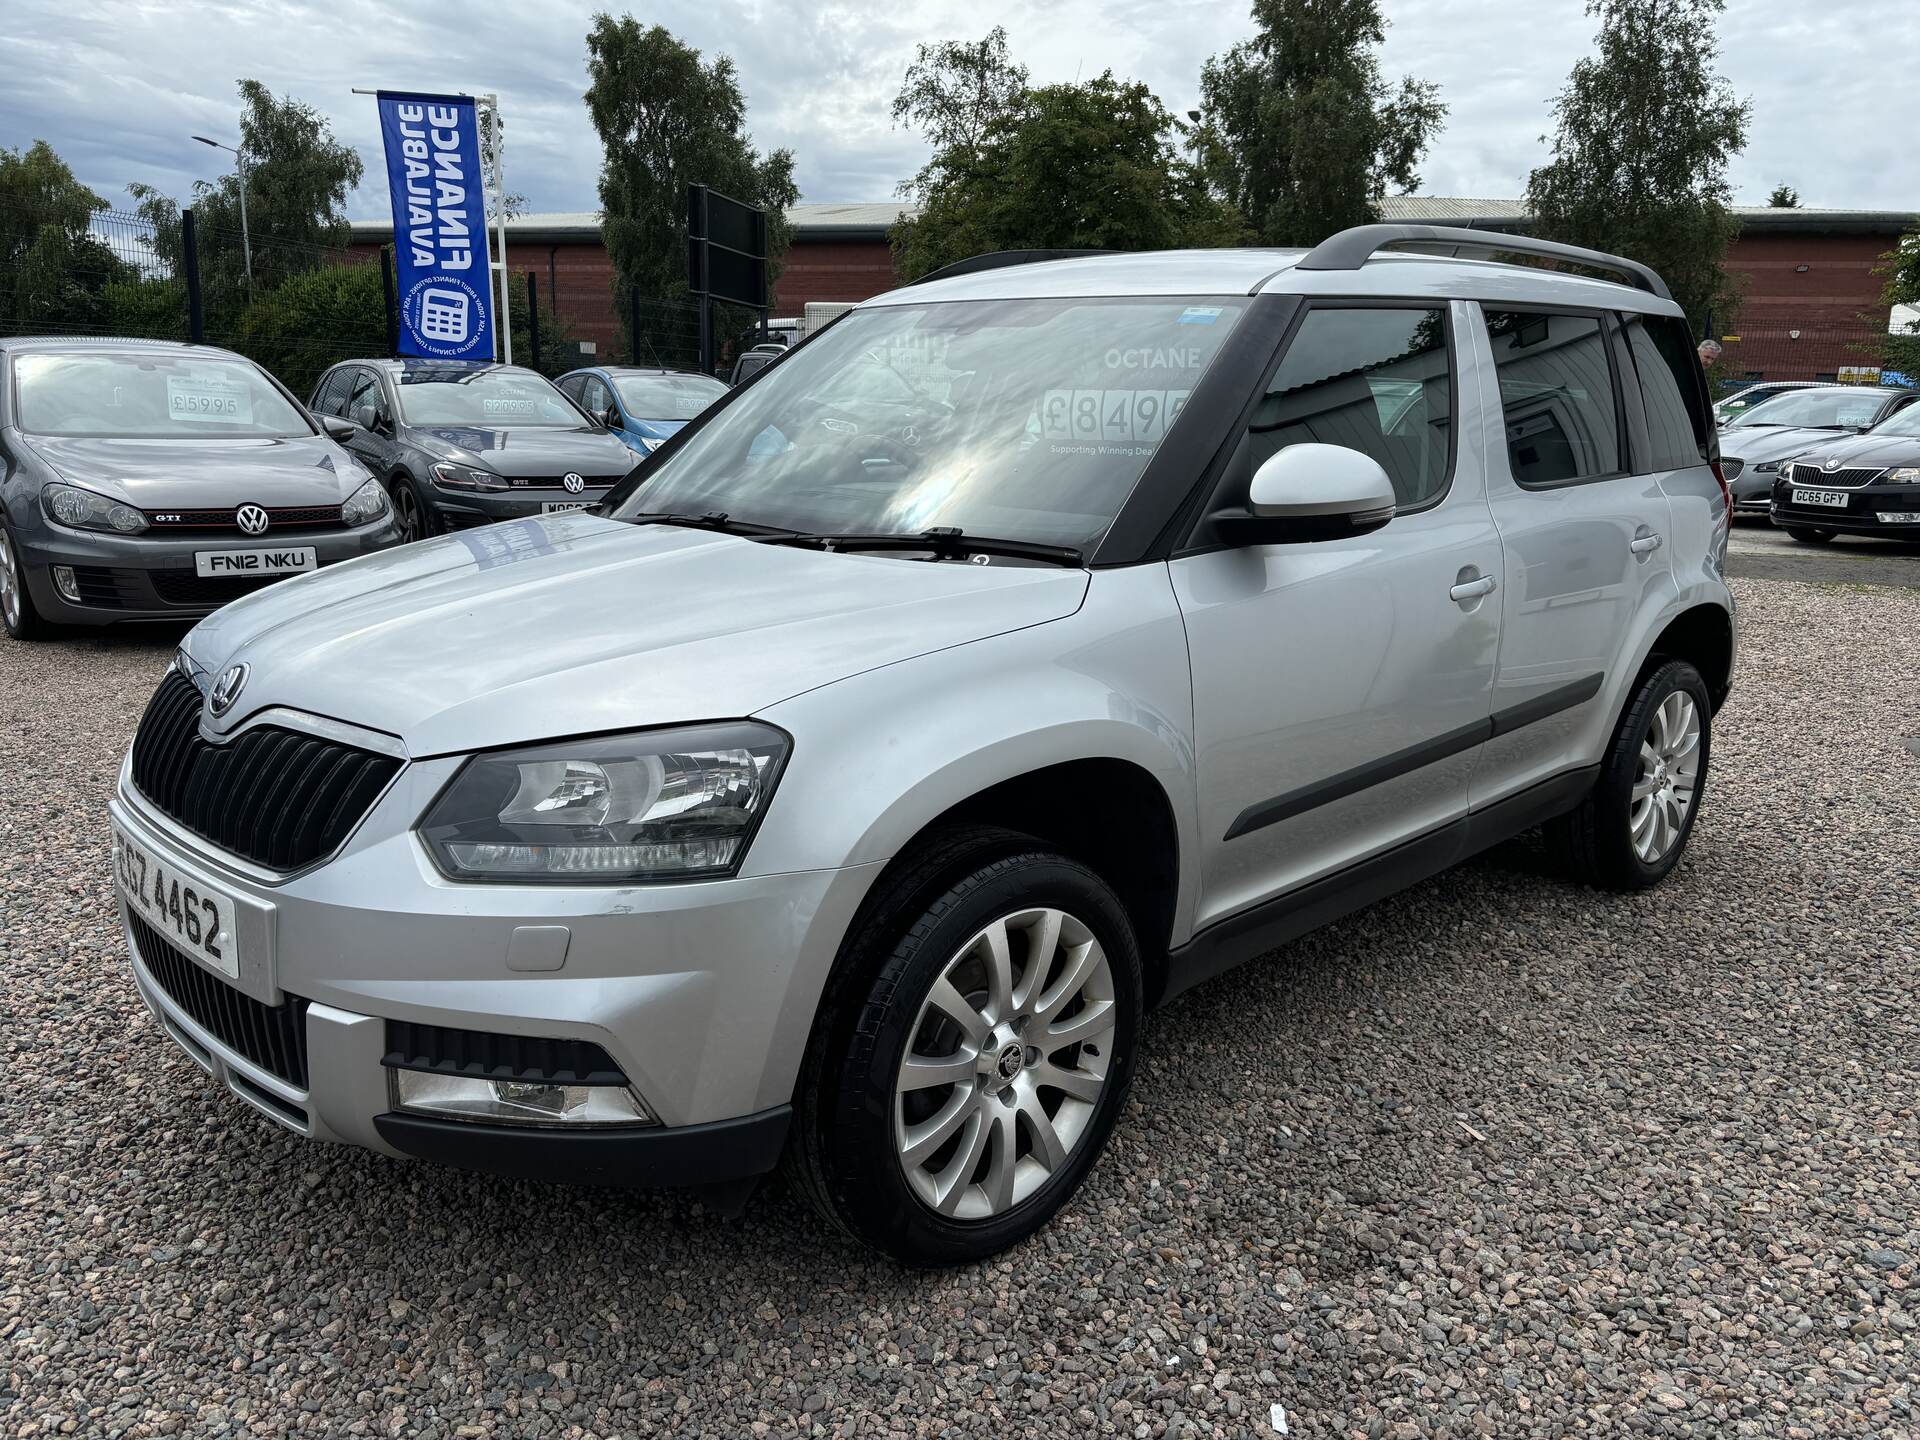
(17, 612)
(1634, 824)
(1808, 535)
(966, 1077)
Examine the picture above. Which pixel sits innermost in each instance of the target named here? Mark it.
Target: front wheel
(410, 513)
(17, 613)
(1630, 830)
(977, 1056)
(1808, 535)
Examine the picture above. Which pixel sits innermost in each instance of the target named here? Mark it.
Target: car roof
(611, 370)
(1246, 272)
(22, 344)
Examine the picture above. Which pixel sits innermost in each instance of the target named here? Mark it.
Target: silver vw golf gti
(1031, 644)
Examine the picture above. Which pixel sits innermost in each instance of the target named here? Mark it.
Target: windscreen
(1016, 419)
(484, 398)
(1901, 422)
(1829, 409)
(666, 397)
(150, 397)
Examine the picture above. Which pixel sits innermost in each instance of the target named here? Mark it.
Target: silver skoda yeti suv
(1029, 645)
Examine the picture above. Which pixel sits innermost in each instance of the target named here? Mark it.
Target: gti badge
(574, 483)
(226, 690)
(251, 519)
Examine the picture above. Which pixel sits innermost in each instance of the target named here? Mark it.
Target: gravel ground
(1499, 1157)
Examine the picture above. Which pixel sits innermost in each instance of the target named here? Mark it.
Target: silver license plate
(197, 917)
(1832, 499)
(289, 560)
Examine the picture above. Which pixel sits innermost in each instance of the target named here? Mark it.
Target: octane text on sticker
(164, 899)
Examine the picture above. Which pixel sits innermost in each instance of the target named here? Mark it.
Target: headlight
(1906, 475)
(367, 503)
(659, 805)
(1768, 467)
(651, 443)
(84, 510)
(466, 477)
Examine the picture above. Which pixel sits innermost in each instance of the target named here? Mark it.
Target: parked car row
(147, 480)
(1828, 460)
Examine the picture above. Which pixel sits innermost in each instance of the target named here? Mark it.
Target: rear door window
(1679, 431)
(330, 396)
(1557, 394)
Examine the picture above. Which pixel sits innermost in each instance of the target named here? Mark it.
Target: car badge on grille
(251, 519)
(226, 690)
(574, 483)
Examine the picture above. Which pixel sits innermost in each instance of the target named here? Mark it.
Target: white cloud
(118, 87)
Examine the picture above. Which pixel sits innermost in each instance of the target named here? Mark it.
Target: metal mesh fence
(98, 273)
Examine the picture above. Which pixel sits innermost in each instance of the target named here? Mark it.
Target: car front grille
(271, 796)
(183, 587)
(222, 522)
(274, 1037)
(1838, 479)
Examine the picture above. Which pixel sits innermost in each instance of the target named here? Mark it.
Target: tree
(1299, 132)
(1784, 197)
(1646, 131)
(298, 181)
(1902, 269)
(951, 93)
(312, 319)
(1091, 166)
(55, 272)
(667, 119)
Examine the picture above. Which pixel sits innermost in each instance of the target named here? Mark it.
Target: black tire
(21, 620)
(1808, 535)
(411, 509)
(1594, 843)
(843, 1156)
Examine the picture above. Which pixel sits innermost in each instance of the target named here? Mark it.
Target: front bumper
(1865, 506)
(463, 509)
(703, 993)
(139, 578)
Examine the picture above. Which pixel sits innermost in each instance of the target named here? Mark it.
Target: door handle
(1644, 544)
(1473, 589)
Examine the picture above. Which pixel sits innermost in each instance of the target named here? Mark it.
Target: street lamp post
(246, 243)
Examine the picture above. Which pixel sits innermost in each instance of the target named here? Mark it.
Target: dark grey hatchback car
(147, 480)
(468, 443)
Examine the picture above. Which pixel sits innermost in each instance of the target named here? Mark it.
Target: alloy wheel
(406, 510)
(1006, 1064)
(10, 581)
(1667, 776)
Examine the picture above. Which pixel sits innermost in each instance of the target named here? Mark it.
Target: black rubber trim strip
(631, 1156)
(1414, 757)
(1253, 932)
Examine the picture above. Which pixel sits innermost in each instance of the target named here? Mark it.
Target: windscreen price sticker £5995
(208, 399)
(1110, 417)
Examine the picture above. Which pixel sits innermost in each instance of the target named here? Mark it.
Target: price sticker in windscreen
(204, 399)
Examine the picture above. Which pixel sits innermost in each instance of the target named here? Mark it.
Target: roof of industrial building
(870, 221)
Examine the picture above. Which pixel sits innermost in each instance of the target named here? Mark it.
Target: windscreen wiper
(946, 542)
(714, 520)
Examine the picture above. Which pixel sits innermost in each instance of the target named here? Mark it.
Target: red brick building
(1812, 298)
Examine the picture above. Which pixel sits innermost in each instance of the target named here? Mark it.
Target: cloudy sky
(117, 86)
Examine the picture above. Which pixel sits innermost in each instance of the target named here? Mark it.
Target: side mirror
(1311, 492)
(610, 417)
(366, 417)
(337, 427)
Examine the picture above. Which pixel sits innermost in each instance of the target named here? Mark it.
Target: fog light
(64, 582)
(516, 1102)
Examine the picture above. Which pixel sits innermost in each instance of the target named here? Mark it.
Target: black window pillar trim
(1192, 455)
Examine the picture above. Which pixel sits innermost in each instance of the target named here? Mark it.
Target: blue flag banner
(439, 225)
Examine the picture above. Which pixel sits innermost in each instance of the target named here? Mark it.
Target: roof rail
(1000, 260)
(1351, 249)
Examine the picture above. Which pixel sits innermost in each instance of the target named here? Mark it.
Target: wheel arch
(1702, 635)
